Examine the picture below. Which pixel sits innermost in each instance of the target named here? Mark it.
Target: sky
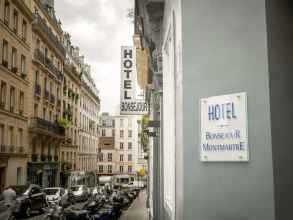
(99, 28)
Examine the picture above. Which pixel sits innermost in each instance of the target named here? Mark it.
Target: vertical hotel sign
(130, 104)
(224, 135)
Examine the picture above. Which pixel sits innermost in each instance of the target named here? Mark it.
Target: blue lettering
(217, 112)
(211, 112)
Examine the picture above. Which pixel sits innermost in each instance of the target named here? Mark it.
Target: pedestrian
(9, 196)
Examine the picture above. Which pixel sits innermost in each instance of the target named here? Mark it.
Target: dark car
(29, 198)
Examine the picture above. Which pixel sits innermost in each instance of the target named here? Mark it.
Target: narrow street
(137, 210)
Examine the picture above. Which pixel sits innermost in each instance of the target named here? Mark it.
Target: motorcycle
(53, 212)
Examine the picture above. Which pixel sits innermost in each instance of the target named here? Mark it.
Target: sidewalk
(137, 210)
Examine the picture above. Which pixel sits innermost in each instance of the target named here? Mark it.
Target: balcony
(37, 90)
(12, 150)
(45, 127)
(40, 26)
(40, 57)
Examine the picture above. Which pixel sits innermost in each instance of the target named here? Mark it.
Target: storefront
(44, 174)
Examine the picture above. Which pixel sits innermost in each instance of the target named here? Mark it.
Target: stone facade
(107, 153)
(15, 64)
(42, 80)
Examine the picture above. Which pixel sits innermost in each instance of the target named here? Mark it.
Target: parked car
(56, 195)
(95, 190)
(29, 198)
(79, 193)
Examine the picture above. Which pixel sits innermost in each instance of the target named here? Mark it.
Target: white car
(57, 195)
(79, 193)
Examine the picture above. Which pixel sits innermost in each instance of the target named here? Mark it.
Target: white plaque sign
(224, 135)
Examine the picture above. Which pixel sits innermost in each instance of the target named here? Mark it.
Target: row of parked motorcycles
(108, 205)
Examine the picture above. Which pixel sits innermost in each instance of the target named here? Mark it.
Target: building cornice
(24, 9)
(50, 19)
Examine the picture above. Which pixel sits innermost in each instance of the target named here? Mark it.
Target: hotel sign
(130, 104)
(224, 135)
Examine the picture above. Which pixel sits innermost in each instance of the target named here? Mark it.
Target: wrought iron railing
(48, 126)
(11, 149)
(38, 55)
(42, 24)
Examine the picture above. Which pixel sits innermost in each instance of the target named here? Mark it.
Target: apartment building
(45, 134)
(107, 153)
(15, 61)
(88, 140)
(126, 144)
(71, 111)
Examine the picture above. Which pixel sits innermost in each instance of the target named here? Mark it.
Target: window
(121, 169)
(109, 168)
(21, 102)
(15, 21)
(103, 132)
(101, 168)
(129, 145)
(13, 60)
(45, 84)
(24, 30)
(121, 145)
(6, 12)
(169, 116)
(103, 122)
(36, 111)
(18, 175)
(11, 136)
(129, 133)
(35, 190)
(20, 137)
(129, 157)
(101, 157)
(3, 94)
(121, 133)
(121, 122)
(109, 157)
(113, 132)
(129, 169)
(121, 157)
(12, 99)
(5, 53)
(37, 77)
(44, 113)
(23, 64)
(51, 88)
(1, 134)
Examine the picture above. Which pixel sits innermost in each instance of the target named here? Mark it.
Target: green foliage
(63, 123)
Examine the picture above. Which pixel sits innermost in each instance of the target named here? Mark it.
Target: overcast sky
(99, 28)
